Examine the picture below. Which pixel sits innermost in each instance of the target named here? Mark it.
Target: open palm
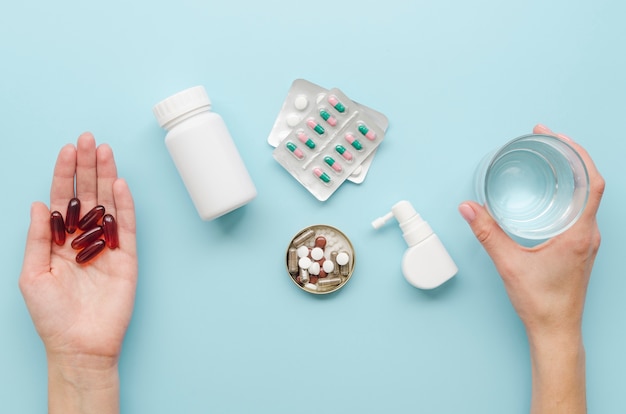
(82, 309)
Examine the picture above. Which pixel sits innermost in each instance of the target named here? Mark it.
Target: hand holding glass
(535, 187)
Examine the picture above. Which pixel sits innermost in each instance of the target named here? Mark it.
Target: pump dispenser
(426, 264)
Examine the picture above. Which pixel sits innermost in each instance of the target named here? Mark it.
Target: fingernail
(467, 212)
(564, 137)
(544, 128)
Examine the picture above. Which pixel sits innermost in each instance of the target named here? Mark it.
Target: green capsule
(315, 126)
(321, 175)
(333, 164)
(332, 121)
(366, 132)
(354, 142)
(297, 152)
(332, 99)
(341, 150)
(305, 140)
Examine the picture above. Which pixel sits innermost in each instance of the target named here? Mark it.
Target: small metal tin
(314, 277)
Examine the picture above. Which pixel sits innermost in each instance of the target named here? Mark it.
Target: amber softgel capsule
(72, 216)
(97, 230)
(57, 227)
(92, 218)
(110, 231)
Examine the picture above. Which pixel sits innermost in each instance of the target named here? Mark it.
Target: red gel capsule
(90, 251)
(320, 242)
(57, 227)
(110, 231)
(72, 215)
(92, 218)
(87, 238)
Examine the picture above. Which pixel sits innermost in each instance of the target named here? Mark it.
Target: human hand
(547, 284)
(82, 312)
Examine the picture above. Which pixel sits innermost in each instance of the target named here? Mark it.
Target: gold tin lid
(320, 259)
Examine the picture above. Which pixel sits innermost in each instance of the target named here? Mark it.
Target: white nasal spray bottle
(426, 264)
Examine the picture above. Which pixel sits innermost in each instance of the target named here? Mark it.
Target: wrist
(82, 384)
(559, 334)
(558, 371)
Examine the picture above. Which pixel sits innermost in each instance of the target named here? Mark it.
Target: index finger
(107, 174)
(86, 174)
(62, 189)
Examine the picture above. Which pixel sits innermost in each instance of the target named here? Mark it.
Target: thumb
(38, 242)
(495, 241)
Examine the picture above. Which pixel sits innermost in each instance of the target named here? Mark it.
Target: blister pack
(330, 142)
(302, 95)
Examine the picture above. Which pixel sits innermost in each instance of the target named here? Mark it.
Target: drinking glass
(535, 186)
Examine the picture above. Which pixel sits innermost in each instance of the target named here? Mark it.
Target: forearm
(558, 373)
(78, 386)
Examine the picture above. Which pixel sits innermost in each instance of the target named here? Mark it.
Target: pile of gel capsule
(97, 230)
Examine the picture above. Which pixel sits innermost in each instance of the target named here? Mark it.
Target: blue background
(218, 326)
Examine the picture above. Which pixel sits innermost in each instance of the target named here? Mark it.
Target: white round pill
(304, 262)
(317, 253)
(357, 171)
(293, 120)
(342, 258)
(303, 251)
(314, 269)
(301, 102)
(328, 266)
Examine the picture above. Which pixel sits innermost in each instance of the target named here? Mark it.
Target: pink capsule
(92, 218)
(109, 226)
(354, 142)
(333, 164)
(332, 99)
(305, 140)
(297, 152)
(57, 227)
(325, 178)
(315, 126)
(368, 133)
(90, 251)
(332, 121)
(72, 216)
(87, 238)
(341, 150)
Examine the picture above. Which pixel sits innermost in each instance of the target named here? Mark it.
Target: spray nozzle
(403, 211)
(380, 221)
(414, 228)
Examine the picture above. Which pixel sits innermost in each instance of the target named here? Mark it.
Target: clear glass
(535, 187)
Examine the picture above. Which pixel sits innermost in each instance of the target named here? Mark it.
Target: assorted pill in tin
(320, 259)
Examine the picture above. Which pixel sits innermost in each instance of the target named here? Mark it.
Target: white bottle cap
(182, 103)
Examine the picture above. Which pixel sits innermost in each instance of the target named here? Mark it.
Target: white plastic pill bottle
(204, 153)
